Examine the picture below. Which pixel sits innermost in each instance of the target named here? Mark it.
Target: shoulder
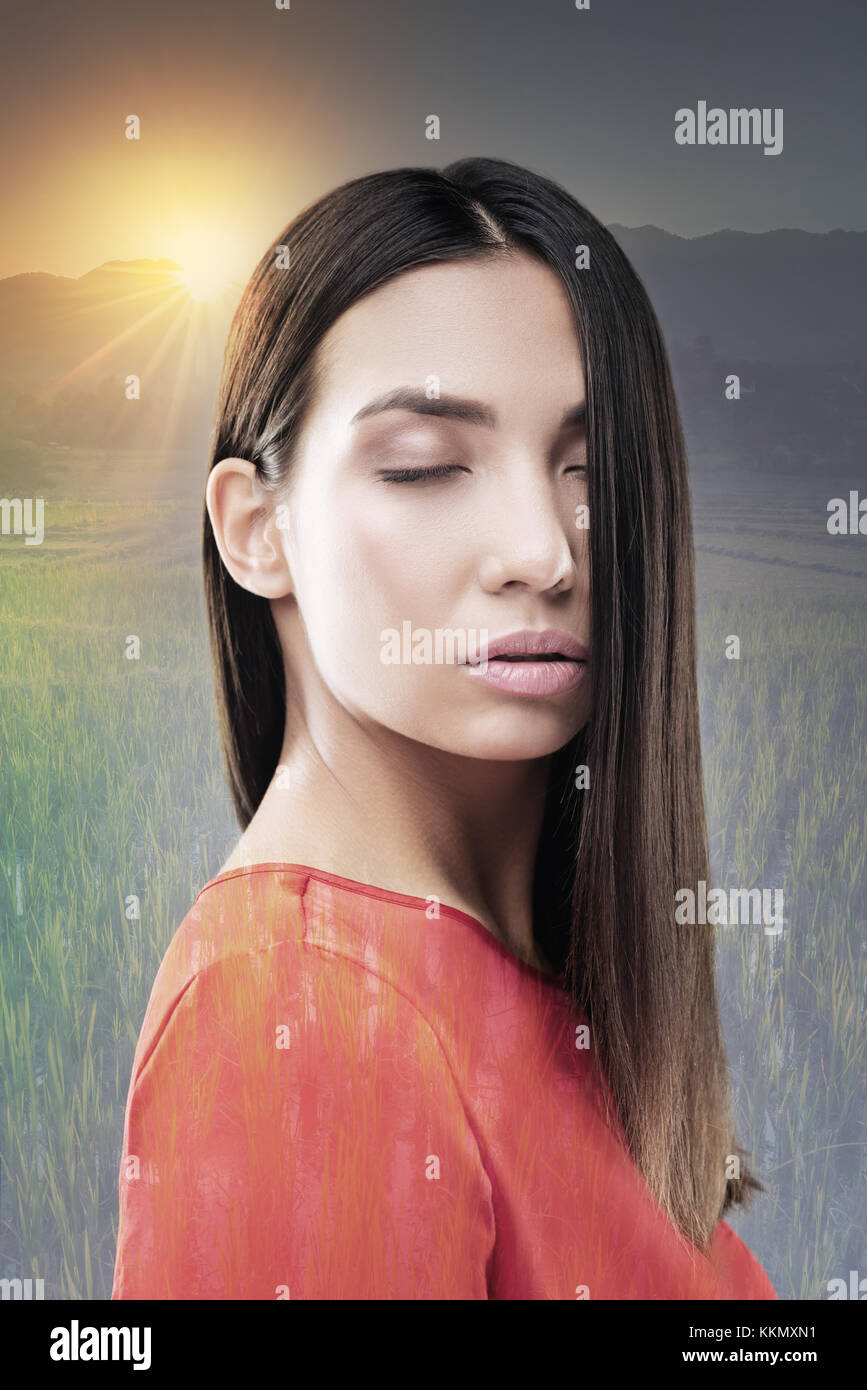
(285, 1086)
(253, 961)
(231, 920)
(740, 1273)
(293, 1121)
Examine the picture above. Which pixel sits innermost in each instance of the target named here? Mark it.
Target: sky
(249, 112)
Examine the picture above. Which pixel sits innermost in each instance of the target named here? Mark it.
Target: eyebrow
(452, 407)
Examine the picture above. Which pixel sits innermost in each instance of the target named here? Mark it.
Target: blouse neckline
(370, 890)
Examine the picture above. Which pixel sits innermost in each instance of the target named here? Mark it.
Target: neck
(370, 804)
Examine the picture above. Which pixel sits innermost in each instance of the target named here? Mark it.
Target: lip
(542, 677)
(542, 641)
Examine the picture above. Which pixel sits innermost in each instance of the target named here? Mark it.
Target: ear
(244, 520)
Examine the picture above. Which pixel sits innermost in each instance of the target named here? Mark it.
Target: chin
(505, 744)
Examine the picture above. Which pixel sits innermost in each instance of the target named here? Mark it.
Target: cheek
(360, 571)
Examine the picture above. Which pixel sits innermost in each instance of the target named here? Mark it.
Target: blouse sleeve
(294, 1130)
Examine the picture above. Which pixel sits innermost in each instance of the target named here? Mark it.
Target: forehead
(501, 329)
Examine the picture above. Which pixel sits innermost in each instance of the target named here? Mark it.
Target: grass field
(113, 787)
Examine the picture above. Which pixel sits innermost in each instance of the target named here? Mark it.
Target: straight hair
(612, 856)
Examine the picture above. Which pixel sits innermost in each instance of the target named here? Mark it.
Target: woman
(433, 1031)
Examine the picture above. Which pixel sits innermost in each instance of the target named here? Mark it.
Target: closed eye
(417, 475)
(444, 470)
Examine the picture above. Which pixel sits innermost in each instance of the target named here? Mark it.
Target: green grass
(111, 780)
(784, 762)
(114, 786)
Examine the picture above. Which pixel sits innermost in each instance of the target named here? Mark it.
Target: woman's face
(490, 546)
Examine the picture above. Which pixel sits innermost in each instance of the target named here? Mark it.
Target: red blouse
(341, 1092)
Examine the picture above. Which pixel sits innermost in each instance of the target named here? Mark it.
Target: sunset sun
(209, 263)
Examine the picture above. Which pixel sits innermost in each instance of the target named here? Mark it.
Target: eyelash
(443, 470)
(415, 475)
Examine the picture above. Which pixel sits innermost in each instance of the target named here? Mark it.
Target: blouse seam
(158, 1035)
(372, 892)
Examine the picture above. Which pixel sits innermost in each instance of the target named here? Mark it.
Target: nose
(525, 542)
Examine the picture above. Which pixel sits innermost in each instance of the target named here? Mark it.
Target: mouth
(532, 663)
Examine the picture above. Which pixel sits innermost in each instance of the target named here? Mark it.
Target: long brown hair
(611, 856)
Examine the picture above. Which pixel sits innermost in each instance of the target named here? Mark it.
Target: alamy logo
(444, 646)
(16, 518)
(848, 521)
(738, 906)
(857, 1287)
(22, 1288)
(738, 126)
(102, 1344)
